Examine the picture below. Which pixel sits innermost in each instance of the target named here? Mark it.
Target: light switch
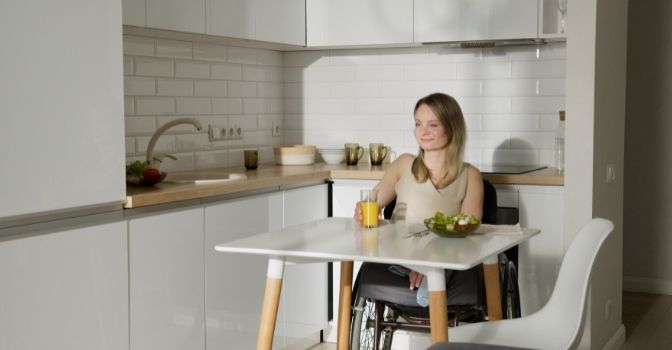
(611, 173)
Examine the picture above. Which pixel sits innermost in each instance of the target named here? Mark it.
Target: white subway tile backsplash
(538, 69)
(456, 88)
(138, 46)
(242, 89)
(510, 97)
(193, 105)
(540, 104)
(139, 125)
(431, 71)
(184, 162)
(128, 65)
(175, 87)
(552, 87)
(209, 52)
(227, 105)
(242, 55)
(483, 70)
(354, 57)
(174, 49)
(510, 122)
(211, 159)
(154, 106)
(215, 88)
(269, 90)
(269, 58)
(129, 105)
(510, 87)
(153, 67)
(139, 86)
(226, 71)
(192, 69)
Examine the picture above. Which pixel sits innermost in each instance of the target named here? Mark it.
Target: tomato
(151, 175)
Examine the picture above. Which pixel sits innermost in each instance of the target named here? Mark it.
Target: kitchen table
(339, 239)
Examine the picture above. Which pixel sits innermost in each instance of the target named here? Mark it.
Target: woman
(436, 179)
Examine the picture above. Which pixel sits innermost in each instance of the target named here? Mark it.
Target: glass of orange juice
(369, 205)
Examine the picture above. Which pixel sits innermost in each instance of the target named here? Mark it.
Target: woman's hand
(415, 279)
(358, 214)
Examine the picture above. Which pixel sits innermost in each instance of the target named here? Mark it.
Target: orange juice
(369, 214)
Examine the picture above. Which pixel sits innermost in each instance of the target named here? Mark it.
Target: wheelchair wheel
(509, 288)
(362, 326)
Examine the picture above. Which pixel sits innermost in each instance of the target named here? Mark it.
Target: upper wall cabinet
(264, 20)
(179, 15)
(466, 20)
(358, 22)
(134, 13)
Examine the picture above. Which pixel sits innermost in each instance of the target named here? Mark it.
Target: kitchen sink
(203, 178)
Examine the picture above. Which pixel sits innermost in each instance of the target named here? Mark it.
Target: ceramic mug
(377, 153)
(251, 157)
(353, 153)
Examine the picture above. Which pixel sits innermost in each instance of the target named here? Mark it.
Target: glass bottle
(560, 144)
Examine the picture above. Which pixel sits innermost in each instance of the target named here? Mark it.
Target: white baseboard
(647, 285)
(617, 339)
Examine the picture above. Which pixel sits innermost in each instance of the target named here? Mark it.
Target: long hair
(450, 115)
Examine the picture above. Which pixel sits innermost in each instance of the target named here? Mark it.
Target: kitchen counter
(270, 175)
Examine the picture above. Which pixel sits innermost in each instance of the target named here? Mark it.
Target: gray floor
(647, 319)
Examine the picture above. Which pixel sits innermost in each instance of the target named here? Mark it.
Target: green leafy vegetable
(454, 223)
(136, 168)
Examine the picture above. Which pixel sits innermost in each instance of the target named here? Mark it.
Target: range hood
(488, 43)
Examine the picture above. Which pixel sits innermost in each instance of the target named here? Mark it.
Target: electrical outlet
(275, 129)
(239, 131)
(216, 133)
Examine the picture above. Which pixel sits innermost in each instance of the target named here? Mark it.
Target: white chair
(559, 324)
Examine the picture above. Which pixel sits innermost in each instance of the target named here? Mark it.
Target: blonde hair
(449, 113)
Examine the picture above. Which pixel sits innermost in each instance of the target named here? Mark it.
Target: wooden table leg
(492, 289)
(269, 310)
(344, 302)
(438, 305)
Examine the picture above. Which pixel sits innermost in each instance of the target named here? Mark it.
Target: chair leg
(377, 319)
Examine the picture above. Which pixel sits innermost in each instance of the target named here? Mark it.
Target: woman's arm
(385, 187)
(473, 199)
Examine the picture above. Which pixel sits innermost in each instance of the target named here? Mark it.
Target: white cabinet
(552, 19)
(133, 12)
(167, 281)
(66, 290)
(281, 21)
(304, 289)
(179, 15)
(358, 22)
(463, 20)
(539, 258)
(234, 283)
(263, 20)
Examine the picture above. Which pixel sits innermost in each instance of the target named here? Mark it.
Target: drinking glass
(370, 208)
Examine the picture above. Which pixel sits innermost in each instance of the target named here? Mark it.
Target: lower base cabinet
(66, 290)
(167, 281)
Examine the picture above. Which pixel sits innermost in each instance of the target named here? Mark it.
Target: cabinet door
(133, 12)
(304, 292)
(235, 283)
(281, 21)
(539, 259)
(358, 22)
(166, 281)
(185, 16)
(457, 20)
(231, 18)
(66, 290)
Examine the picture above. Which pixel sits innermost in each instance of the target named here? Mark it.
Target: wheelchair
(383, 303)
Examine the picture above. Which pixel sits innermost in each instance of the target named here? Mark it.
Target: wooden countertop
(269, 175)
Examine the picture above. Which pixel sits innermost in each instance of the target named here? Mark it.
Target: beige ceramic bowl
(294, 155)
(332, 155)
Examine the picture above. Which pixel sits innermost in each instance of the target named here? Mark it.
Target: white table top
(339, 239)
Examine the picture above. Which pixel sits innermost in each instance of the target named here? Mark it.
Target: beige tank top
(418, 201)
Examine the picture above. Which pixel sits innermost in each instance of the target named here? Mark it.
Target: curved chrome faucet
(152, 142)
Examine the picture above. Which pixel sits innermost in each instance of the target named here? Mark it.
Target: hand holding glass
(369, 205)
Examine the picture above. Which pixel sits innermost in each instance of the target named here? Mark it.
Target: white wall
(510, 97)
(647, 243)
(596, 65)
(217, 84)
